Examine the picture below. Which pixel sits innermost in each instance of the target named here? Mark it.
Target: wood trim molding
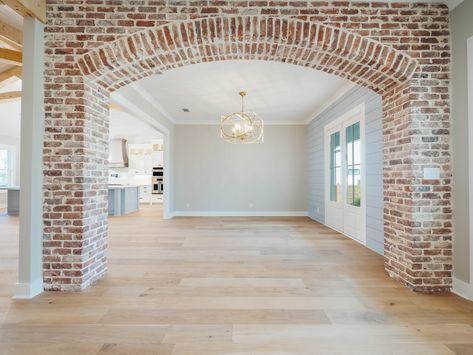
(9, 56)
(11, 36)
(32, 8)
(10, 96)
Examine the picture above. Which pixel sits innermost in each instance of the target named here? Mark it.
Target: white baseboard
(462, 289)
(28, 290)
(240, 214)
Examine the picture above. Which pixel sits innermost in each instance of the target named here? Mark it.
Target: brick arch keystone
(310, 44)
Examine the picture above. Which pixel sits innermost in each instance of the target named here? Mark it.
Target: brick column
(75, 183)
(417, 212)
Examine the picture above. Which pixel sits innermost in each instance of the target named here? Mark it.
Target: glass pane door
(335, 168)
(344, 164)
(353, 164)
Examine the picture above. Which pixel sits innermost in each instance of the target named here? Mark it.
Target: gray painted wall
(462, 29)
(374, 161)
(214, 175)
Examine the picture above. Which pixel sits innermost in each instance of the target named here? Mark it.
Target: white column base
(28, 290)
(462, 289)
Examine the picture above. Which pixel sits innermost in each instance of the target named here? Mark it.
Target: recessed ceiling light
(185, 110)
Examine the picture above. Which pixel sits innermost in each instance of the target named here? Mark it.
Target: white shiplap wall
(374, 161)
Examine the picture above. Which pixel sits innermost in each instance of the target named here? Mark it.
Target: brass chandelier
(242, 127)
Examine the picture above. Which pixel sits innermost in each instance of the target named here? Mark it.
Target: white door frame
(359, 112)
(469, 59)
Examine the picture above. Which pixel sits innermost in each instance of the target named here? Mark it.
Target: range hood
(118, 156)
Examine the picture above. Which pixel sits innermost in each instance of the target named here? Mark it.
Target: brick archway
(311, 44)
(417, 243)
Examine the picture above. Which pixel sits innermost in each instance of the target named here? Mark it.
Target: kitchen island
(122, 199)
(13, 199)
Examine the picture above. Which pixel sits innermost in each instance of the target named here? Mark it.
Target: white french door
(345, 175)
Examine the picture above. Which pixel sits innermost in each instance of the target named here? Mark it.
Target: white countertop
(116, 187)
(10, 188)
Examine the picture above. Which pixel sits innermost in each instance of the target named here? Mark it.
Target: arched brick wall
(311, 44)
(412, 78)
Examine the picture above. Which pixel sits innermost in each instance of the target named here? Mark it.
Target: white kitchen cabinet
(155, 198)
(157, 158)
(142, 158)
(145, 194)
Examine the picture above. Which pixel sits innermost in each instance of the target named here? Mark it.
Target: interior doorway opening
(136, 163)
(365, 61)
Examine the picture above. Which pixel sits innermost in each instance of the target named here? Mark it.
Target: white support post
(30, 272)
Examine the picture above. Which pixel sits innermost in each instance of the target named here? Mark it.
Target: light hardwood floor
(230, 286)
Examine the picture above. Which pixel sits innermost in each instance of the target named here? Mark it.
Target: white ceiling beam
(152, 101)
(138, 112)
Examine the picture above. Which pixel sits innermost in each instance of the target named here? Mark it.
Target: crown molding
(337, 95)
(452, 3)
(217, 123)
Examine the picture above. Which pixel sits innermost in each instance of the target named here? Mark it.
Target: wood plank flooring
(192, 286)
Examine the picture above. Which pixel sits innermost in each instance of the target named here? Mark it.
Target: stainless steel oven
(157, 181)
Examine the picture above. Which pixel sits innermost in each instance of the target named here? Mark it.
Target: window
(6, 165)
(353, 146)
(335, 167)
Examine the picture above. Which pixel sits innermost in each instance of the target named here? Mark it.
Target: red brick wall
(399, 50)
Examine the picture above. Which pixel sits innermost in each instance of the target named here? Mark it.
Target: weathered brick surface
(399, 50)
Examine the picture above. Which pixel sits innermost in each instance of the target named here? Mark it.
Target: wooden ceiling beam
(11, 36)
(9, 56)
(9, 76)
(10, 96)
(33, 8)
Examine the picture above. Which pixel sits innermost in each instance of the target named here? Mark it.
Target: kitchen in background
(135, 164)
(144, 168)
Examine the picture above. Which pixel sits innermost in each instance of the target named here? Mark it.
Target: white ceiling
(280, 93)
(124, 125)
